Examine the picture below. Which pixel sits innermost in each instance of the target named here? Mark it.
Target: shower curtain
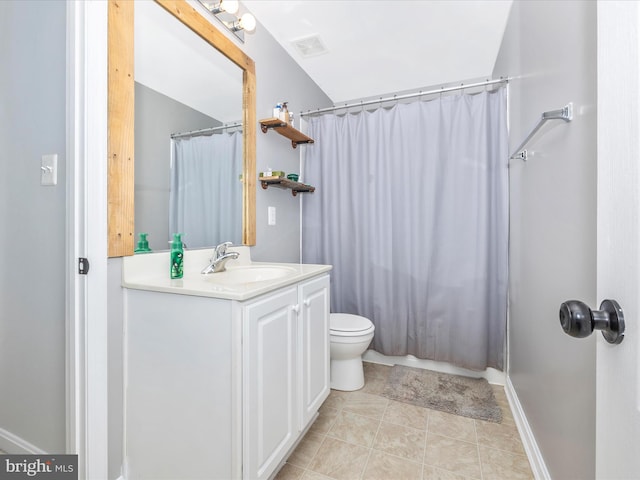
(206, 190)
(411, 209)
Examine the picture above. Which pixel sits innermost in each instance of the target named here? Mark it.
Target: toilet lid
(346, 322)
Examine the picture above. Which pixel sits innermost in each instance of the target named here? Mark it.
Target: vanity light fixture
(229, 6)
(226, 12)
(247, 22)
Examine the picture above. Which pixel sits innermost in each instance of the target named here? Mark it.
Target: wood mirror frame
(120, 142)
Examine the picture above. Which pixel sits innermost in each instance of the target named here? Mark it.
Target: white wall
(549, 49)
(32, 219)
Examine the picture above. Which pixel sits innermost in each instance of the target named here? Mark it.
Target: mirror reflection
(188, 135)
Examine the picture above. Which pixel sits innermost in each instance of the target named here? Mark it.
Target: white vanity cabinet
(183, 392)
(222, 388)
(286, 371)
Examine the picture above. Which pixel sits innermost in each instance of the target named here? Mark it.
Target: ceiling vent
(309, 46)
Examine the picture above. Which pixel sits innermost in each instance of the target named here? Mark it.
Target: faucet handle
(222, 249)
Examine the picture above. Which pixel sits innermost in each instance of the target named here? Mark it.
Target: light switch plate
(49, 170)
(271, 215)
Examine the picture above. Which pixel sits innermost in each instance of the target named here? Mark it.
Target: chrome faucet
(218, 262)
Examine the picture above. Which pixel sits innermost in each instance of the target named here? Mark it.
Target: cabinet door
(314, 346)
(270, 414)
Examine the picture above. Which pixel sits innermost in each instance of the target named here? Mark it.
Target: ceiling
(377, 47)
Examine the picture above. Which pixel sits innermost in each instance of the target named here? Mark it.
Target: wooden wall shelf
(285, 183)
(286, 130)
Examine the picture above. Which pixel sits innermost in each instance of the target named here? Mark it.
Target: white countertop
(150, 271)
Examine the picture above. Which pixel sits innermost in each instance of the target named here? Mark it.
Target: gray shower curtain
(205, 201)
(411, 209)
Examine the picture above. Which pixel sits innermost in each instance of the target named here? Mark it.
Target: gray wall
(32, 219)
(156, 118)
(550, 50)
(278, 78)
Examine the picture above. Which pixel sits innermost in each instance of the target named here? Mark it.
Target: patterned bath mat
(469, 397)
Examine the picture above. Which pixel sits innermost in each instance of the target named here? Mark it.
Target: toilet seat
(348, 325)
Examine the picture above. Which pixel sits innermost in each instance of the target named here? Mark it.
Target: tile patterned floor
(365, 436)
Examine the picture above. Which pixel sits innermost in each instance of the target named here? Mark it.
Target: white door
(618, 371)
(86, 332)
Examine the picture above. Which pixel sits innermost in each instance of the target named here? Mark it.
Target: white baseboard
(534, 455)
(12, 444)
(492, 375)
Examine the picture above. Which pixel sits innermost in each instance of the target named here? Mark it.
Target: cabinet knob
(295, 308)
(307, 303)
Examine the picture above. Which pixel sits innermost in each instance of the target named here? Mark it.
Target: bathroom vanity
(223, 372)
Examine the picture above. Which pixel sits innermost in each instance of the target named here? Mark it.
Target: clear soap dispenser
(277, 110)
(284, 113)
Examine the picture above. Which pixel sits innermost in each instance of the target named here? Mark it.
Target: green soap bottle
(177, 257)
(143, 244)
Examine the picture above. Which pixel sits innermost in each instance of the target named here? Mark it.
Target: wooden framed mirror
(121, 164)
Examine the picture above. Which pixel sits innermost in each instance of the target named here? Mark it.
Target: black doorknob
(578, 320)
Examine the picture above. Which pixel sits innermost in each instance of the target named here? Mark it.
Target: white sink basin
(249, 274)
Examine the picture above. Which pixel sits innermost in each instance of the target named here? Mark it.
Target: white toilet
(350, 335)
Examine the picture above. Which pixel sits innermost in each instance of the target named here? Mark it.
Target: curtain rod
(401, 97)
(205, 130)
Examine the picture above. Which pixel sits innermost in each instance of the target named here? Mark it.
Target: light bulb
(229, 6)
(248, 22)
